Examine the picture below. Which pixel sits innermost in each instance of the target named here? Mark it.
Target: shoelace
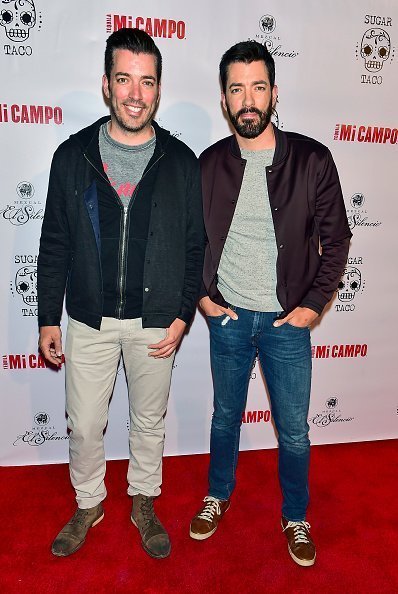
(80, 517)
(299, 530)
(147, 510)
(212, 506)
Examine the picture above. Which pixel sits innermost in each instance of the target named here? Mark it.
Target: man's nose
(248, 99)
(135, 91)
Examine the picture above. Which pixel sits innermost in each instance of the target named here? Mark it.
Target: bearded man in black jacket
(123, 236)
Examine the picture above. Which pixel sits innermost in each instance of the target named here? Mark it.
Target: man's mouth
(248, 115)
(134, 109)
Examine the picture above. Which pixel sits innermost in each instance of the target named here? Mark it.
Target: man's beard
(125, 124)
(251, 128)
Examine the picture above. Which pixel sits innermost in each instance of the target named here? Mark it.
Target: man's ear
(274, 96)
(223, 101)
(105, 85)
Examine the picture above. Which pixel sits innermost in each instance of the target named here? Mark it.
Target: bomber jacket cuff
(202, 292)
(312, 305)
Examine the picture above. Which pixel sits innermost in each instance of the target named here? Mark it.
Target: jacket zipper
(123, 242)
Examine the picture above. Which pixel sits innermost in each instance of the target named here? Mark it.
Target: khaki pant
(92, 359)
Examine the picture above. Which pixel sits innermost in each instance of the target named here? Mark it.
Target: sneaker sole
(197, 536)
(302, 562)
(148, 551)
(60, 554)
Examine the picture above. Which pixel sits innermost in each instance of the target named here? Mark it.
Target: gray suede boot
(73, 534)
(154, 537)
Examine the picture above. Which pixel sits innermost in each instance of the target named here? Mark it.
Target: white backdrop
(335, 84)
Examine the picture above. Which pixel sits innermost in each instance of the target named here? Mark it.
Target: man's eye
(149, 83)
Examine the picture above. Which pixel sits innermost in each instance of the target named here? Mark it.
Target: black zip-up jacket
(307, 210)
(87, 236)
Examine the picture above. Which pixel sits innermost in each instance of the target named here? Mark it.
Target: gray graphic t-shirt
(124, 164)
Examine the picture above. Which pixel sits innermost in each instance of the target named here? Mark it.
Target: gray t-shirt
(124, 164)
(247, 270)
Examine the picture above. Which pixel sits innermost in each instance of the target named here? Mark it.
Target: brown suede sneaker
(300, 545)
(73, 534)
(154, 537)
(205, 523)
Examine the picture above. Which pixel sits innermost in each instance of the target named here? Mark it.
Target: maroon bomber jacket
(308, 212)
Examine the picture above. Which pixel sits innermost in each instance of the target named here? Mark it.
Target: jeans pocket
(288, 325)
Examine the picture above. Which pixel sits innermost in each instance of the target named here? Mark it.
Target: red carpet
(353, 514)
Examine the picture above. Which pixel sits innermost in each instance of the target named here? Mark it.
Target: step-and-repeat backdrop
(337, 72)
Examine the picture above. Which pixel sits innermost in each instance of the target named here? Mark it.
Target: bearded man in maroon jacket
(278, 240)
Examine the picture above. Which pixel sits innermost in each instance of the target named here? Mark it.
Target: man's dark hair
(135, 41)
(247, 52)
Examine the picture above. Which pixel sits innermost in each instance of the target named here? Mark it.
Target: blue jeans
(285, 358)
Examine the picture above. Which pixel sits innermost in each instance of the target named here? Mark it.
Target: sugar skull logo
(350, 284)
(17, 17)
(375, 48)
(26, 284)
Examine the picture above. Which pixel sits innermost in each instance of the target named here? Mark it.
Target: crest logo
(24, 209)
(42, 418)
(25, 190)
(331, 414)
(40, 432)
(270, 39)
(332, 402)
(357, 200)
(267, 23)
(358, 215)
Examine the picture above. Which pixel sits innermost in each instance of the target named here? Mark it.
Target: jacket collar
(281, 147)
(87, 138)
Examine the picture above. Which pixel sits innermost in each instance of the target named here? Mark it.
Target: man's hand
(50, 344)
(211, 309)
(166, 347)
(301, 317)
